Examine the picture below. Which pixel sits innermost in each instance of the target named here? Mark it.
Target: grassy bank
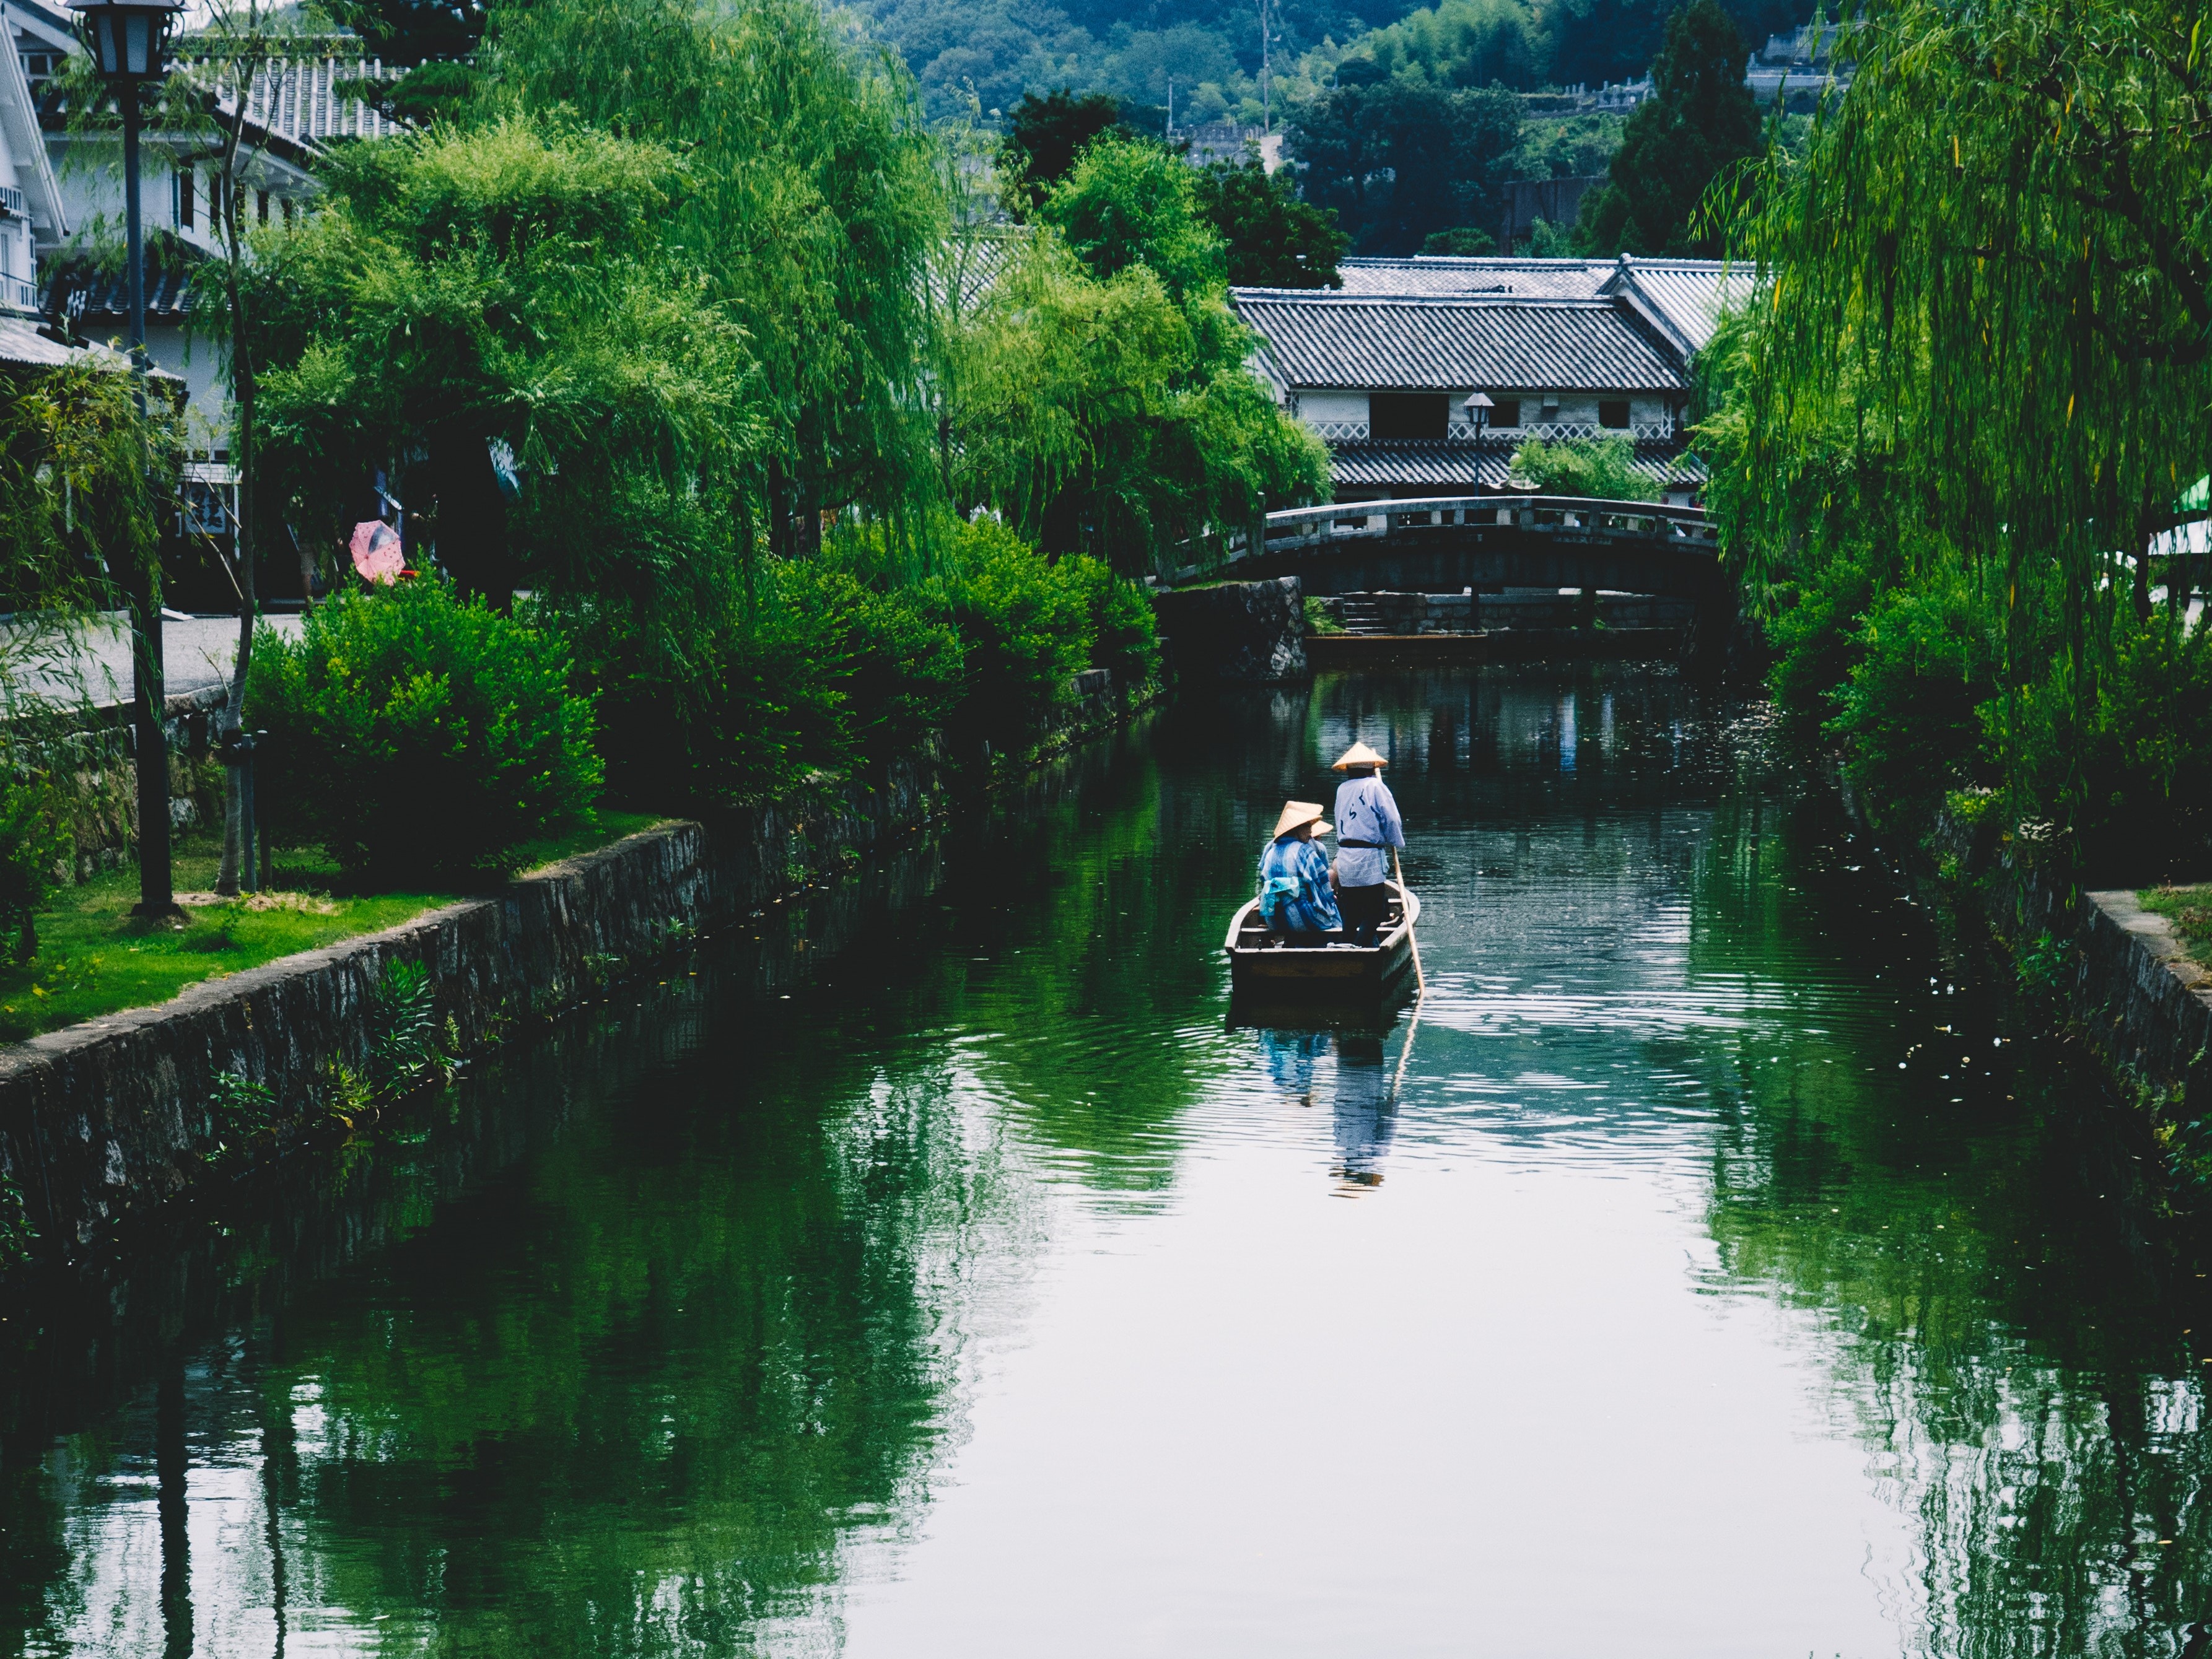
(2190, 910)
(95, 957)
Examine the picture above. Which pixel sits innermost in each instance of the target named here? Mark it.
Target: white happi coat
(1365, 812)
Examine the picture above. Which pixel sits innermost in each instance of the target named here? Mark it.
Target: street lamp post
(128, 38)
(1478, 407)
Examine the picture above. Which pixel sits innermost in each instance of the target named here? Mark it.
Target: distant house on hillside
(1382, 371)
(1226, 141)
(1800, 68)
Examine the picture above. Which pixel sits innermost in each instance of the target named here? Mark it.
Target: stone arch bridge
(1441, 544)
(1227, 616)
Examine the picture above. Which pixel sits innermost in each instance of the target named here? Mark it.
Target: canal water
(936, 1269)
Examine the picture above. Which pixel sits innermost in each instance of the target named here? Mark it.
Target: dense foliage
(845, 668)
(1959, 412)
(1272, 237)
(36, 847)
(82, 480)
(419, 738)
(996, 50)
(1604, 468)
(1699, 126)
(505, 284)
(1399, 158)
(1045, 134)
(1103, 408)
(805, 459)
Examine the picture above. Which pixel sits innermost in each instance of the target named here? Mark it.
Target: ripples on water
(1725, 1277)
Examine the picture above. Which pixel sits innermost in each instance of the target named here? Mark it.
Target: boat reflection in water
(1346, 1069)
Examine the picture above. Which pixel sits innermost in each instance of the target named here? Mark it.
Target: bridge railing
(1572, 518)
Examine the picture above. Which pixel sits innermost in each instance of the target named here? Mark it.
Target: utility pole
(127, 38)
(1267, 80)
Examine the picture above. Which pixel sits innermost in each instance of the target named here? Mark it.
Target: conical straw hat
(1296, 813)
(1359, 755)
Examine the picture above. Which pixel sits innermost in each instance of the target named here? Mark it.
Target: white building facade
(1387, 370)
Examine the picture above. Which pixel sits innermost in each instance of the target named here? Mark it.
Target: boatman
(1294, 895)
(1367, 825)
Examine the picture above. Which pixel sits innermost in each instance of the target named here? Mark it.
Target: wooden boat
(1262, 964)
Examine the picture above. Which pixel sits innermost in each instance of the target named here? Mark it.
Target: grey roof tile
(1687, 295)
(1502, 344)
(1417, 469)
(1429, 275)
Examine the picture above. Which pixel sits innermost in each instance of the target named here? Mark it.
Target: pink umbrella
(376, 552)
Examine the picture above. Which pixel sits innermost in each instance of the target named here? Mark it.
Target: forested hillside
(997, 50)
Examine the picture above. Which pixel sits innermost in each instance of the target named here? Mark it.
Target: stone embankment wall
(104, 1119)
(89, 753)
(2121, 979)
(1459, 613)
(2141, 1005)
(1251, 632)
(2144, 1003)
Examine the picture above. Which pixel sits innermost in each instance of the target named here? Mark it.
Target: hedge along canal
(103, 1120)
(1719, 1282)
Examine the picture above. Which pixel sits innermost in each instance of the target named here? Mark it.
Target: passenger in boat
(1367, 817)
(1294, 896)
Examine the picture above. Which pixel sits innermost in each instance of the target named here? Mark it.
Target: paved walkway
(94, 665)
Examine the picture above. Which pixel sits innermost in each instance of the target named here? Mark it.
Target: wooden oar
(1420, 979)
(1406, 1052)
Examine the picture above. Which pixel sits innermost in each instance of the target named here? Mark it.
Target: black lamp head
(127, 37)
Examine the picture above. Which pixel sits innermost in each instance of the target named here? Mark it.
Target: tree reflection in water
(2016, 1358)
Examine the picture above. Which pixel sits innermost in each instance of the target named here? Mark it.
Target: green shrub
(1026, 630)
(1814, 638)
(894, 668)
(35, 840)
(846, 662)
(1599, 467)
(1124, 634)
(1907, 712)
(418, 738)
(827, 671)
(2151, 808)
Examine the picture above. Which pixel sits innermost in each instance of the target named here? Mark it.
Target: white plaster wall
(1315, 406)
(1575, 407)
(89, 172)
(194, 358)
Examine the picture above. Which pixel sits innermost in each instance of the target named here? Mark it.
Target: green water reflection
(712, 1324)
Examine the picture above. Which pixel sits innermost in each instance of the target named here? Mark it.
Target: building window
(1612, 412)
(284, 206)
(1505, 412)
(1408, 414)
(261, 212)
(184, 198)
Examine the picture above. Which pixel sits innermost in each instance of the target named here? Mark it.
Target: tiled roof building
(1387, 370)
(1495, 343)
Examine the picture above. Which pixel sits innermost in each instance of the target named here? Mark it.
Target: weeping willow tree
(1100, 401)
(814, 209)
(83, 477)
(468, 291)
(1978, 359)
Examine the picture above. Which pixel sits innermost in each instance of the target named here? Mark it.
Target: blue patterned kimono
(1294, 891)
